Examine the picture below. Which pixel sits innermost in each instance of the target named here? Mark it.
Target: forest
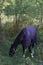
(14, 16)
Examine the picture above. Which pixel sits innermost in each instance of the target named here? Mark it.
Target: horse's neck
(15, 42)
(18, 38)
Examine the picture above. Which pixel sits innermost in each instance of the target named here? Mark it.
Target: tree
(1, 11)
(14, 9)
(18, 8)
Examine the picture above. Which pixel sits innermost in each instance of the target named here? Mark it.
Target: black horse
(27, 37)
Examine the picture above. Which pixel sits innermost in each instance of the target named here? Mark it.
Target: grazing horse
(27, 37)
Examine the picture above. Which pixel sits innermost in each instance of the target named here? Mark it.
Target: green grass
(17, 59)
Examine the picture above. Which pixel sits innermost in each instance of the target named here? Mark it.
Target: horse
(27, 38)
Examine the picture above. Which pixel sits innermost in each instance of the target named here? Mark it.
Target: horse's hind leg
(34, 43)
(31, 50)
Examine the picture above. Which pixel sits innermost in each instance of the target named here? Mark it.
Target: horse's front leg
(24, 51)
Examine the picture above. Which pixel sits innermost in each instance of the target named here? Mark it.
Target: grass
(17, 59)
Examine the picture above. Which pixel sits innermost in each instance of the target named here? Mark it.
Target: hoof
(24, 56)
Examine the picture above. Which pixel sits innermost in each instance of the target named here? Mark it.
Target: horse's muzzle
(10, 54)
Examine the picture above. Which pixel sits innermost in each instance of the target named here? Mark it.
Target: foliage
(9, 10)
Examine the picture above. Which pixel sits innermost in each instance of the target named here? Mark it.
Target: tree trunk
(41, 14)
(16, 23)
(0, 29)
(2, 33)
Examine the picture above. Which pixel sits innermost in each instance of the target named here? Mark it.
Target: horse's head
(14, 46)
(12, 50)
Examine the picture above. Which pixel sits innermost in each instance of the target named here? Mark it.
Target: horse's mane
(18, 37)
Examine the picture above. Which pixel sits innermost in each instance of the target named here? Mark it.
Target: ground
(17, 59)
